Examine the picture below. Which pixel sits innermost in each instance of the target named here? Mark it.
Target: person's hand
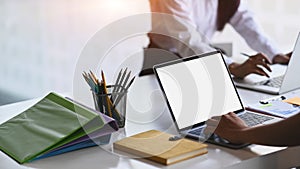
(227, 126)
(282, 59)
(251, 65)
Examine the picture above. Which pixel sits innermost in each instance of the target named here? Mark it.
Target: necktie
(226, 9)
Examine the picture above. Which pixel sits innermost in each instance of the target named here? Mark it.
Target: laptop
(281, 81)
(199, 87)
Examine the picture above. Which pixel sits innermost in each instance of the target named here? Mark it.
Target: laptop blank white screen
(198, 89)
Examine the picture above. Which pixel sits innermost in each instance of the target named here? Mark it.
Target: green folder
(52, 122)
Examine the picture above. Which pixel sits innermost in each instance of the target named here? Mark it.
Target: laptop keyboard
(249, 118)
(274, 82)
(252, 119)
(197, 132)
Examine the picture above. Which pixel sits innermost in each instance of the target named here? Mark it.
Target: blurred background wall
(41, 40)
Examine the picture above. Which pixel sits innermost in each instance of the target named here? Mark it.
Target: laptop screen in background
(197, 89)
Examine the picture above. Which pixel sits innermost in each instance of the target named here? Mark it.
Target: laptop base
(215, 139)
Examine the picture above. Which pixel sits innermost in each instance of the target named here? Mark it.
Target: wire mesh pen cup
(113, 103)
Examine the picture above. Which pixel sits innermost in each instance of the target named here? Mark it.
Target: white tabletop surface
(147, 110)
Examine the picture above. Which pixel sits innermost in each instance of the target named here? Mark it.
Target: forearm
(283, 133)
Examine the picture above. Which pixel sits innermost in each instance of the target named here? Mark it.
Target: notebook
(200, 87)
(156, 146)
(281, 81)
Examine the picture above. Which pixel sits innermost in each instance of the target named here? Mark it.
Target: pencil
(90, 82)
(121, 80)
(124, 91)
(105, 92)
(116, 85)
(117, 81)
(126, 79)
(94, 77)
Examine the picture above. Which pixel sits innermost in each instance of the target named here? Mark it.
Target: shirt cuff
(228, 60)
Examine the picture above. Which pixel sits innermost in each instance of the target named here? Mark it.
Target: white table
(147, 110)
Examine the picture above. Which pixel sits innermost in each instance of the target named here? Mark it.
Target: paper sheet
(294, 100)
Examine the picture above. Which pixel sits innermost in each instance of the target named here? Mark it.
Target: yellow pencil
(106, 92)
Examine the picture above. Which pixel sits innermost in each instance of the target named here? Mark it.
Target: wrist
(245, 135)
(281, 59)
(275, 58)
(233, 68)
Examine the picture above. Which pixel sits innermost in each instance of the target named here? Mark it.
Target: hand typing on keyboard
(251, 65)
(226, 127)
(234, 129)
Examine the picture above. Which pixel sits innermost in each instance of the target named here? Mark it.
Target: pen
(245, 54)
(267, 101)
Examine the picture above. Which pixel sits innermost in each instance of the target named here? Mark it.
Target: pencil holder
(113, 103)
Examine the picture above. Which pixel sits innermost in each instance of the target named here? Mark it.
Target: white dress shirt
(194, 22)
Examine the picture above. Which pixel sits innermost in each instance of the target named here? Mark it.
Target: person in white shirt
(185, 27)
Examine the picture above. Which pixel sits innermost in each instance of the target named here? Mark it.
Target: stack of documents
(280, 108)
(53, 126)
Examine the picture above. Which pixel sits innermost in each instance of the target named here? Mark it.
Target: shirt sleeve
(176, 22)
(246, 25)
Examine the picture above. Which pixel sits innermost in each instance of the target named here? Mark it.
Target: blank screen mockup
(198, 89)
